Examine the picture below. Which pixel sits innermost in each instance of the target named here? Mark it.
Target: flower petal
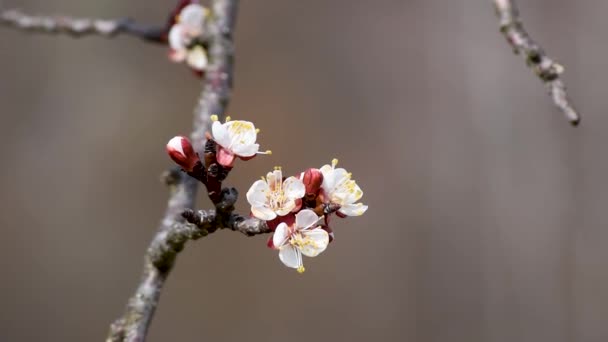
(263, 213)
(274, 178)
(294, 188)
(176, 38)
(286, 208)
(290, 256)
(197, 58)
(332, 177)
(353, 209)
(316, 242)
(306, 218)
(256, 195)
(242, 132)
(281, 235)
(193, 15)
(220, 134)
(347, 192)
(246, 150)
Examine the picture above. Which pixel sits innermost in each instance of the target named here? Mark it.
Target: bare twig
(78, 27)
(543, 66)
(172, 233)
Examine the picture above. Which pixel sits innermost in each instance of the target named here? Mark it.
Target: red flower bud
(312, 179)
(182, 153)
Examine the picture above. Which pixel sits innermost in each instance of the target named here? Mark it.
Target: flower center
(276, 196)
(240, 127)
(300, 241)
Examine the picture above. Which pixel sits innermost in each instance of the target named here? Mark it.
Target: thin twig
(159, 259)
(77, 27)
(543, 66)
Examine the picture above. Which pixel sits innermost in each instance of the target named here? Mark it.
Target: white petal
(355, 193)
(326, 169)
(353, 209)
(281, 235)
(256, 195)
(197, 58)
(306, 218)
(290, 256)
(333, 178)
(294, 188)
(347, 192)
(263, 213)
(220, 134)
(287, 207)
(246, 150)
(193, 15)
(176, 40)
(176, 144)
(316, 242)
(242, 136)
(242, 131)
(274, 178)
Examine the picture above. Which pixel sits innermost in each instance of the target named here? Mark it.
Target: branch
(172, 233)
(77, 27)
(543, 66)
(163, 251)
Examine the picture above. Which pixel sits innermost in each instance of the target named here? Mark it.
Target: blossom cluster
(297, 209)
(186, 36)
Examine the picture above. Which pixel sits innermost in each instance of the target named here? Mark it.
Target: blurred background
(488, 212)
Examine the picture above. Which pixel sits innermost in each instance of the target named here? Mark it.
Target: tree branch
(77, 27)
(172, 233)
(543, 66)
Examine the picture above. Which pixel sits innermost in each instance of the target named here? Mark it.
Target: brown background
(487, 217)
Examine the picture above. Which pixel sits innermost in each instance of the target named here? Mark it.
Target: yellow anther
(334, 162)
(214, 118)
(228, 118)
(301, 269)
(269, 152)
(257, 130)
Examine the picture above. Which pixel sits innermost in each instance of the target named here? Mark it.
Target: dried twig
(543, 66)
(172, 233)
(78, 27)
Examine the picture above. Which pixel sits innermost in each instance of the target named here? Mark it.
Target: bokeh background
(488, 212)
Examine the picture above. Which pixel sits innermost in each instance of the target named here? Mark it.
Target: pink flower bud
(182, 153)
(312, 179)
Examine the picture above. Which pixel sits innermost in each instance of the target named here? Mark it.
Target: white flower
(271, 196)
(340, 189)
(184, 35)
(235, 139)
(304, 237)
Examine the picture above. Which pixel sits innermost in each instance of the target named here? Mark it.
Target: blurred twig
(78, 27)
(543, 66)
(173, 233)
